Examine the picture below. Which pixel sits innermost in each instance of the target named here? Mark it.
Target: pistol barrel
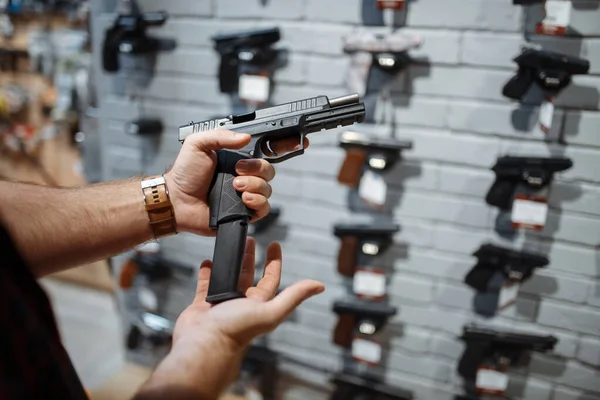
(344, 100)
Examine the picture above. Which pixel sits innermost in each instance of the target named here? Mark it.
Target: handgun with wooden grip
(366, 151)
(361, 239)
(359, 316)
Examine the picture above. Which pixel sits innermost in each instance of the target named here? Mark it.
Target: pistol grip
(518, 85)
(230, 217)
(501, 194)
(479, 278)
(343, 392)
(228, 73)
(344, 331)
(471, 359)
(110, 50)
(347, 256)
(351, 169)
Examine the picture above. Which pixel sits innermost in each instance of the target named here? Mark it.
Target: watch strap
(161, 215)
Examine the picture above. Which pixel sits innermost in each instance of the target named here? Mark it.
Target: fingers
(255, 167)
(252, 184)
(258, 203)
(278, 309)
(255, 194)
(286, 145)
(203, 280)
(269, 283)
(217, 139)
(248, 266)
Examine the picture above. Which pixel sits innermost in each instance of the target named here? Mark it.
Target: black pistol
(552, 71)
(515, 265)
(244, 48)
(128, 35)
(497, 349)
(228, 214)
(349, 386)
(535, 172)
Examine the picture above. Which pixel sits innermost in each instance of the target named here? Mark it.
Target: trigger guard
(285, 156)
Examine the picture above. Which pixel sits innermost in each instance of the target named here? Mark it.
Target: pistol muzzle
(344, 100)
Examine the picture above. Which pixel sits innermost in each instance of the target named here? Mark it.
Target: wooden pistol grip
(344, 331)
(351, 169)
(347, 256)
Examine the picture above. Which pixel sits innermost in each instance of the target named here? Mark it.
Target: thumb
(218, 139)
(278, 309)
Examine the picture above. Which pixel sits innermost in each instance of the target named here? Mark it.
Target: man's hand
(189, 179)
(209, 341)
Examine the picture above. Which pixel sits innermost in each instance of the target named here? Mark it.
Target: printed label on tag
(254, 88)
(508, 294)
(390, 4)
(558, 18)
(366, 351)
(370, 283)
(546, 116)
(147, 299)
(490, 381)
(529, 214)
(373, 189)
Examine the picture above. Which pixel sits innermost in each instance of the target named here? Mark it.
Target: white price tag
(508, 294)
(546, 116)
(147, 299)
(491, 381)
(254, 88)
(369, 283)
(373, 189)
(558, 18)
(558, 12)
(365, 350)
(529, 214)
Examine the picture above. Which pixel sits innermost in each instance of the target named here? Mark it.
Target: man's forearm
(55, 229)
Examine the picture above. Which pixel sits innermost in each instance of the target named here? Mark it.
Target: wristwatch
(158, 205)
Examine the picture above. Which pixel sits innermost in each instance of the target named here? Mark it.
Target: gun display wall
(43, 85)
(455, 226)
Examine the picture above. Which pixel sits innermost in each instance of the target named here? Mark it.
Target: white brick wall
(459, 122)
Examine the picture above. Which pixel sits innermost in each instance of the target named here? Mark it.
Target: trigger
(270, 149)
(286, 156)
